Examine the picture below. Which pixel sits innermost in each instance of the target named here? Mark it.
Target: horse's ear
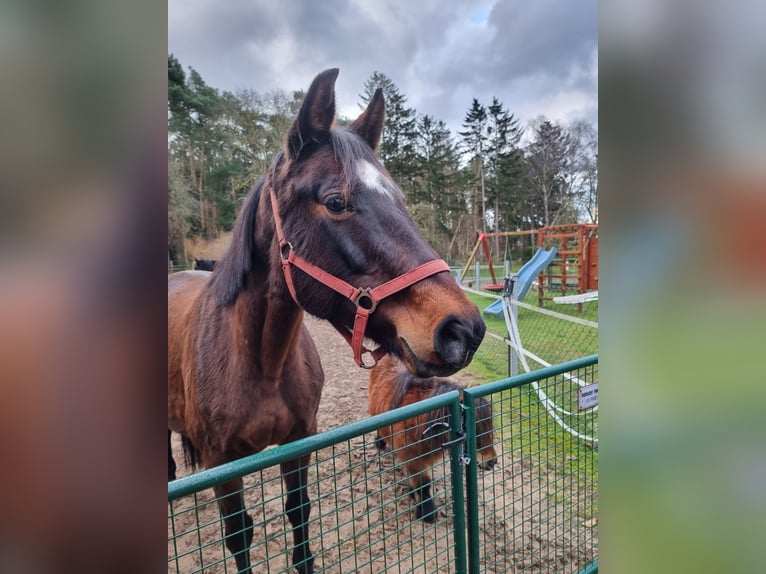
(370, 124)
(316, 115)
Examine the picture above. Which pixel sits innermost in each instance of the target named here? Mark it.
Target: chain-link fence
(548, 336)
(535, 511)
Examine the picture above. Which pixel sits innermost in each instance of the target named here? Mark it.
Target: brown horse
(326, 231)
(417, 441)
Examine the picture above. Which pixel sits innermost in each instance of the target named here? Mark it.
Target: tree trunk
(201, 188)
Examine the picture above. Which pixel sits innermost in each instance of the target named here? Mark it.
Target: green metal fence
(536, 511)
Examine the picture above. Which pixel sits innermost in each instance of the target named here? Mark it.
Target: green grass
(530, 431)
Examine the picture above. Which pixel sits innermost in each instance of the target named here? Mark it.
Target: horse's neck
(268, 327)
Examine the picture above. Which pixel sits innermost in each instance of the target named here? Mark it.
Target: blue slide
(524, 278)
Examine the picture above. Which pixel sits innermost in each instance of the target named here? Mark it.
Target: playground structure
(573, 271)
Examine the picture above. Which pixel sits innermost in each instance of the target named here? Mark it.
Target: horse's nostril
(453, 342)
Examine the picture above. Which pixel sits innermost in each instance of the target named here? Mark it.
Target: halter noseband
(365, 298)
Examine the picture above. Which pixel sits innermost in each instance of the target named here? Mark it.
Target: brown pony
(243, 372)
(417, 441)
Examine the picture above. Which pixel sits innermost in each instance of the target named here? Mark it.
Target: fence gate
(535, 511)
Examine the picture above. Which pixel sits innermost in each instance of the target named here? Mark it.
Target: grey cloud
(438, 52)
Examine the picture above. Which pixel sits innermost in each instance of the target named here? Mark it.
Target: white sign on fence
(588, 396)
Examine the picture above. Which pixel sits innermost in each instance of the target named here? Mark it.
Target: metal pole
(478, 276)
(472, 484)
(513, 363)
(456, 468)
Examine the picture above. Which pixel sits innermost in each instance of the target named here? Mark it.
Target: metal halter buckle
(364, 293)
(285, 249)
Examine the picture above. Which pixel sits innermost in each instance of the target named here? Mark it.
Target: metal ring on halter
(365, 293)
(362, 363)
(285, 254)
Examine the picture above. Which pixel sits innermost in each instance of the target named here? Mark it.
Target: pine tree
(437, 181)
(549, 198)
(502, 170)
(397, 145)
(474, 139)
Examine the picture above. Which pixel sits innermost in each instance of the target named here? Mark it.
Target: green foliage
(219, 144)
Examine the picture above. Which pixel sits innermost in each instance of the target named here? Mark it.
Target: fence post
(478, 276)
(456, 469)
(472, 484)
(513, 354)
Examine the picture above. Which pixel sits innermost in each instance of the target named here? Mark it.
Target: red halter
(366, 298)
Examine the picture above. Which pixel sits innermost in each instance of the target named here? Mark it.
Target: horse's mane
(404, 381)
(231, 271)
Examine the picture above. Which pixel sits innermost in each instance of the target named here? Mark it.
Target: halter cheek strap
(365, 298)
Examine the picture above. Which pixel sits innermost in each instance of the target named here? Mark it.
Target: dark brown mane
(231, 271)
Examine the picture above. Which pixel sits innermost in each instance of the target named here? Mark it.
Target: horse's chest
(277, 417)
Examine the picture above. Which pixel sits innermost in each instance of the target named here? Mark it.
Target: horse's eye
(335, 204)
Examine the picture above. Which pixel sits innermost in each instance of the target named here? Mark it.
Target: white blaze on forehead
(374, 179)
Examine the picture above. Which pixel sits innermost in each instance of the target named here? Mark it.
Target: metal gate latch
(460, 439)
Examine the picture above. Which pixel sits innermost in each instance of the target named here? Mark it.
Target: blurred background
(683, 186)
(82, 209)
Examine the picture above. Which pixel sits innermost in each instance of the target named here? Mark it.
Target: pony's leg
(420, 489)
(380, 442)
(171, 462)
(298, 510)
(381, 435)
(237, 523)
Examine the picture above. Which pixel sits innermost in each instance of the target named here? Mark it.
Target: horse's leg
(171, 462)
(298, 510)
(237, 523)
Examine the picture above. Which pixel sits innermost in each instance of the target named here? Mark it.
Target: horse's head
(341, 212)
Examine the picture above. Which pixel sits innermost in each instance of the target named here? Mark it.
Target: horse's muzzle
(456, 340)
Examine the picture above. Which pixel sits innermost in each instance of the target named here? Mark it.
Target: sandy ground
(363, 519)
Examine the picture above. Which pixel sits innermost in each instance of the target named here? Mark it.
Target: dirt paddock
(362, 513)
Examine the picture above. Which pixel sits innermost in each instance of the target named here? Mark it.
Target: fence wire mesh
(536, 511)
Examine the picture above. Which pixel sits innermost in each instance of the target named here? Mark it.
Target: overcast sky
(536, 56)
